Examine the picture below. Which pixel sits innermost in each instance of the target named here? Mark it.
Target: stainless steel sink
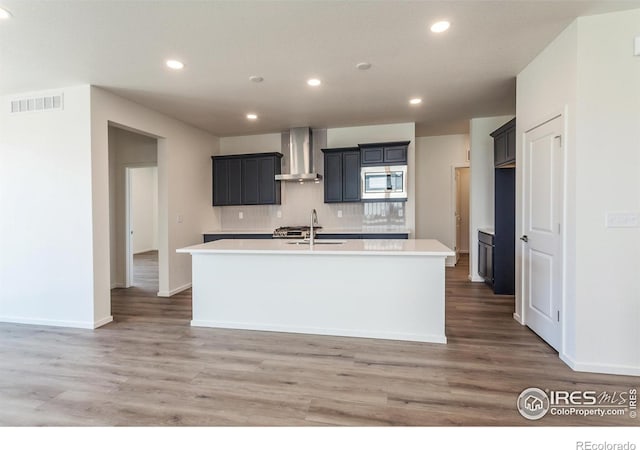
(318, 242)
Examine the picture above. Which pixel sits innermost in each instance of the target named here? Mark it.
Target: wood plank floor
(150, 367)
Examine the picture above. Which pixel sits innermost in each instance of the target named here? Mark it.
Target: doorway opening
(461, 210)
(133, 211)
(141, 227)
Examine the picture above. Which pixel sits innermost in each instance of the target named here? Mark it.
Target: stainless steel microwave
(383, 183)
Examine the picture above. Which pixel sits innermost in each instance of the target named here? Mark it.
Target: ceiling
(468, 71)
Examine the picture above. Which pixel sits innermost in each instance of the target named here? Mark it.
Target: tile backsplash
(298, 200)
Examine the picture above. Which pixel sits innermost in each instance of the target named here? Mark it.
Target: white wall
(481, 211)
(436, 159)
(46, 237)
(184, 188)
(299, 199)
(608, 143)
(595, 82)
(126, 149)
(144, 209)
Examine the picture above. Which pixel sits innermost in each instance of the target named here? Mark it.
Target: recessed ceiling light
(4, 14)
(363, 66)
(314, 82)
(252, 116)
(415, 101)
(174, 64)
(256, 79)
(441, 26)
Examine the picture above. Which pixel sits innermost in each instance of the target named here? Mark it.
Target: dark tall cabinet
(341, 175)
(504, 247)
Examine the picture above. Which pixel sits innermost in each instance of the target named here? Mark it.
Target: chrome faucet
(314, 223)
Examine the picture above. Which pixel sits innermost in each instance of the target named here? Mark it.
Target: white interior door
(542, 238)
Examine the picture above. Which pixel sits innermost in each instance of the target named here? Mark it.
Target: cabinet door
(333, 177)
(489, 272)
(395, 155)
(250, 187)
(234, 182)
(220, 182)
(499, 149)
(510, 146)
(373, 156)
(351, 177)
(482, 260)
(266, 181)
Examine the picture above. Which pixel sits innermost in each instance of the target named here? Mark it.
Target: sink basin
(318, 242)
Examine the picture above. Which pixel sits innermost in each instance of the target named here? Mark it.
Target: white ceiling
(466, 72)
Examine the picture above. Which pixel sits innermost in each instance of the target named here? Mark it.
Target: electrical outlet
(340, 213)
(240, 215)
(179, 218)
(623, 219)
(279, 214)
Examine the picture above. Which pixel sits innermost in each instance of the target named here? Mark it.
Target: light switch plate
(279, 214)
(623, 219)
(179, 218)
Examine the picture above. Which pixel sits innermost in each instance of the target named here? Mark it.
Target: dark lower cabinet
(363, 236)
(217, 236)
(246, 179)
(485, 257)
(341, 175)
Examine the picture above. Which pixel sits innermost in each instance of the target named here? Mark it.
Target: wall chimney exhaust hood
(300, 157)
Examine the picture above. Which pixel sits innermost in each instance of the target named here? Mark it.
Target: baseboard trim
(610, 369)
(102, 322)
(517, 318)
(437, 339)
(48, 322)
(174, 291)
(476, 279)
(117, 286)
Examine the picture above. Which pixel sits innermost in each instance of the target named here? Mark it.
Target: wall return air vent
(42, 103)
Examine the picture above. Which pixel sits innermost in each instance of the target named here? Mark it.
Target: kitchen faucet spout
(314, 222)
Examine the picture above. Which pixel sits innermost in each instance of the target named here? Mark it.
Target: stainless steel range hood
(300, 157)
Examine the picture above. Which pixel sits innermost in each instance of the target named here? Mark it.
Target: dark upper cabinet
(246, 179)
(384, 153)
(504, 144)
(227, 181)
(250, 191)
(351, 176)
(341, 175)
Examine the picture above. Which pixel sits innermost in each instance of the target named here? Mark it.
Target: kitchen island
(387, 289)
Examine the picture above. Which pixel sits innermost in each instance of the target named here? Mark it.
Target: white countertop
(385, 247)
(487, 230)
(320, 231)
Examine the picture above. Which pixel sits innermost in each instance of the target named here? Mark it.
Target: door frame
(453, 204)
(520, 314)
(128, 217)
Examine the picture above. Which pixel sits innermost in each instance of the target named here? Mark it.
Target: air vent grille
(41, 103)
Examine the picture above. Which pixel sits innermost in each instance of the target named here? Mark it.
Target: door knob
(524, 238)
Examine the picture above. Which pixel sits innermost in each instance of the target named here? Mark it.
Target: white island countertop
(385, 247)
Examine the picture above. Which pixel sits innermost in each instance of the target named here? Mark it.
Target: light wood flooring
(149, 367)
